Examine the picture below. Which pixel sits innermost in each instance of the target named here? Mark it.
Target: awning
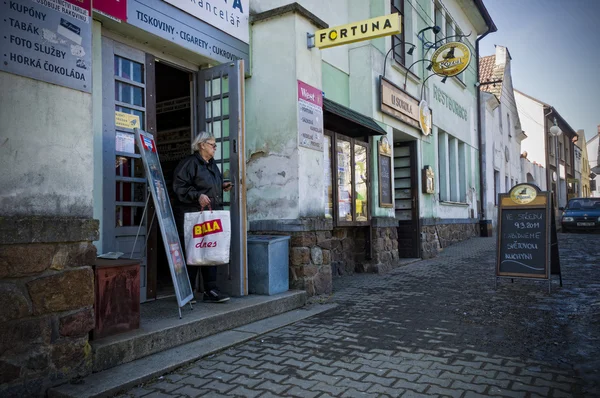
(345, 121)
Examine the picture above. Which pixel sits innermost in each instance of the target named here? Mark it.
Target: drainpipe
(483, 228)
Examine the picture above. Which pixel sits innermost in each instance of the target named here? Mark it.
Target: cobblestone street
(431, 328)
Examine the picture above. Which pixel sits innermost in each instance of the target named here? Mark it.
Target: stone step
(123, 377)
(162, 329)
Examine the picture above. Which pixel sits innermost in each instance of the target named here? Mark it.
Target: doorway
(172, 117)
(406, 194)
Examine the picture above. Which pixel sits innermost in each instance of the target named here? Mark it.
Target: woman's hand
(227, 186)
(204, 201)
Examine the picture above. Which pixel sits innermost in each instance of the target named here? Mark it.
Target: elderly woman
(197, 184)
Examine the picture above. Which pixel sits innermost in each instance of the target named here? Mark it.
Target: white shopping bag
(207, 237)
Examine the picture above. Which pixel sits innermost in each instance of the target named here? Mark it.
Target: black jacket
(194, 176)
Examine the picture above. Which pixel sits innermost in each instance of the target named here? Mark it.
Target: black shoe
(215, 296)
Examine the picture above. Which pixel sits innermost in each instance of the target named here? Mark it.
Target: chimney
(501, 55)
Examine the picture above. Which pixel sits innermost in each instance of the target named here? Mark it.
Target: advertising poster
(166, 221)
(49, 40)
(310, 116)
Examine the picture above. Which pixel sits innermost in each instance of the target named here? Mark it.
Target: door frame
(415, 222)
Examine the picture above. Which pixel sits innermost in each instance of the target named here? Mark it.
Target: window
(500, 118)
(461, 75)
(560, 151)
(508, 126)
(506, 186)
(449, 29)
(347, 180)
(451, 168)
(439, 21)
(496, 186)
(398, 40)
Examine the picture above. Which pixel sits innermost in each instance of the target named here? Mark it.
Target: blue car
(581, 214)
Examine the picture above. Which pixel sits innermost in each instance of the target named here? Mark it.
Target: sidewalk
(432, 328)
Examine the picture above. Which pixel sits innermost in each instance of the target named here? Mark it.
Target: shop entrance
(174, 105)
(406, 192)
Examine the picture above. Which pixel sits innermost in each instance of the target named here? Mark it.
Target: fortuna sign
(451, 59)
(358, 31)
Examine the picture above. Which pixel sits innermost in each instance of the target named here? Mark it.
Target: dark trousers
(209, 277)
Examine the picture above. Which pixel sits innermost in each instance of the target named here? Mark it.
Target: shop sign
(451, 59)
(425, 117)
(113, 9)
(230, 16)
(48, 40)
(368, 29)
(180, 28)
(444, 99)
(310, 116)
(399, 104)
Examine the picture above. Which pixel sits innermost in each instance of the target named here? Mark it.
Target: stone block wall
(349, 247)
(436, 237)
(46, 301)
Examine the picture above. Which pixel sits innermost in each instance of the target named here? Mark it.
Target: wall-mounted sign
(229, 16)
(113, 9)
(48, 40)
(451, 59)
(358, 31)
(310, 116)
(384, 158)
(169, 23)
(428, 180)
(126, 120)
(523, 194)
(425, 117)
(398, 103)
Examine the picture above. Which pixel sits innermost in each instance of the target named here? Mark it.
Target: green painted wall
(336, 84)
(377, 9)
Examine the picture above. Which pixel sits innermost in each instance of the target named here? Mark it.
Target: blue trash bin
(268, 264)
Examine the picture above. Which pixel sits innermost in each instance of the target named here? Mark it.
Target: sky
(555, 50)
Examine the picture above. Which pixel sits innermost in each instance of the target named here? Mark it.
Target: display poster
(124, 142)
(232, 17)
(384, 160)
(48, 40)
(113, 9)
(126, 120)
(178, 27)
(166, 221)
(310, 116)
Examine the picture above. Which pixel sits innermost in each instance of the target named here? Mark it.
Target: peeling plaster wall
(271, 122)
(46, 153)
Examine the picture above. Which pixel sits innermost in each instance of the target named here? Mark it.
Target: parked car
(581, 214)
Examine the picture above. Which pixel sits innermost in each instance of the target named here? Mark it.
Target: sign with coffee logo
(451, 59)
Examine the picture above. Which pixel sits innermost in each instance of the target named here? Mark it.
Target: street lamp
(555, 132)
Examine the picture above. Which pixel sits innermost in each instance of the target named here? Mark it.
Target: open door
(220, 110)
(406, 192)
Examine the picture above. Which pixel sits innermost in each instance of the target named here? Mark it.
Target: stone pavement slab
(433, 328)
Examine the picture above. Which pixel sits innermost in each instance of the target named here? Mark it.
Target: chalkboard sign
(524, 226)
(385, 174)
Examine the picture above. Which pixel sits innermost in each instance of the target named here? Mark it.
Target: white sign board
(310, 116)
(230, 16)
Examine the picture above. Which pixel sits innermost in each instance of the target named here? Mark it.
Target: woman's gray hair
(201, 138)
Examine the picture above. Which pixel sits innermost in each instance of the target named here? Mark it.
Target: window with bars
(347, 180)
(398, 46)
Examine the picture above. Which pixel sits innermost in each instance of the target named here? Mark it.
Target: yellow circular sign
(451, 59)
(333, 35)
(523, 194)
(425, 117)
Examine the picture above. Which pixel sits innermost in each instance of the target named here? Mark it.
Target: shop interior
(173, 139)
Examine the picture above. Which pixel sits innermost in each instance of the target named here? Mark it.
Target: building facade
(584, 182)
(324, 145)
(502, 133)
(541, 148)
(593, 147)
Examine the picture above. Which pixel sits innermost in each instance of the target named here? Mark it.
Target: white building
(593, 147)
(540, 147)
(502, 134)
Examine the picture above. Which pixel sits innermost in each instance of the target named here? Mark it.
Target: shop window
(398, 40)
(346, 162)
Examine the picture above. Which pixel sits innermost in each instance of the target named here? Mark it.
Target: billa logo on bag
(451, 59)
(207, 228)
